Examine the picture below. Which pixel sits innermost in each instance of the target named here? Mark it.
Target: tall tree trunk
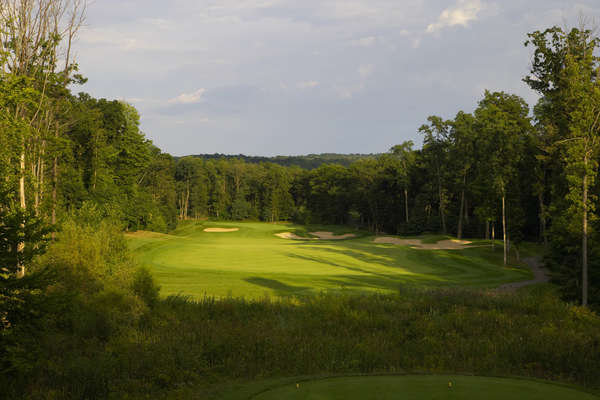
(54, 189)
(543, 235)
(36, 166)
(504, 237)
(441, 208)
(187, 199)
(584, 244)
(21, 245)
(406, 203)
(493, 236)
(462, 209)
(487, 229)
(441, 205)
(42, 172)
(54, 183)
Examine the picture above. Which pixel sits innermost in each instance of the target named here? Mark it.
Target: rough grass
(253, 262)
(183, 349)
(225, 348)
(424, 387)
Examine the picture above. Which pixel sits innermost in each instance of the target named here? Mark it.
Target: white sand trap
(221, 230)
(290, 235)
(319, 236)
(331, 236)
(452, 244)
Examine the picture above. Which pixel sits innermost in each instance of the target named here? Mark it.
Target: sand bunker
(221, 230)
(331, 236)
(319, 236)
(290, 235)
(417, 244)
(148, 234)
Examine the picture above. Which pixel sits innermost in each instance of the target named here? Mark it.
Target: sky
(288, 77)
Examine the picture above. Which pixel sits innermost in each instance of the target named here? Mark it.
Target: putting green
(423, 387)
(252, 262)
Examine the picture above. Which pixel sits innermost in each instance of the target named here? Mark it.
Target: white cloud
(366, 70)
(307, 85)
(188, 98)
(364, 42)
(159, 23)
(133, 100)
(345, 9)
(462, 13)
(348, 92)
(232, 5)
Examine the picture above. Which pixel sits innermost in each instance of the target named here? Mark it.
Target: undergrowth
(180, 343)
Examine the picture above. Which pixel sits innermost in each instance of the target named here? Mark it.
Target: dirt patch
(221, 230)
(319, 236)
(452, 244)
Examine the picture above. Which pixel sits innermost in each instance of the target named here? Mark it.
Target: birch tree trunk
(54, 183)
(504, 237)
(584, 244)
(21, 245)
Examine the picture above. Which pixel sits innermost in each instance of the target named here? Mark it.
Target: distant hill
(310, 161)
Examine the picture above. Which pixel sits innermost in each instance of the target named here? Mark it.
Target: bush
(145, 287)
(90, 256)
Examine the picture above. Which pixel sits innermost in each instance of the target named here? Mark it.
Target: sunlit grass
(253, 262)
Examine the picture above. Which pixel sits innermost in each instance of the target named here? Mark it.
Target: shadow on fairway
(280, 288)
(366, 277)
(435, 268)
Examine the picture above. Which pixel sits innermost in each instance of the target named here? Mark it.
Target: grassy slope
(254, 263)
(423, 387)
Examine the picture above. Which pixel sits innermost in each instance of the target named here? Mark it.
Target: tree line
(310, 161)
(501, 171)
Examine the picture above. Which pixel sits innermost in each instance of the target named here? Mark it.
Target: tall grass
(201, 344)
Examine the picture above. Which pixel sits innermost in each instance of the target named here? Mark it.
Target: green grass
(425, 387)
(253, 262)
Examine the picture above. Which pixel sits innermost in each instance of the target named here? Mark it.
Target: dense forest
(76, 170)
(310, 161)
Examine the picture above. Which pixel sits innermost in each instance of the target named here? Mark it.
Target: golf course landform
(221, 230)
(253, 260)
(422, 387)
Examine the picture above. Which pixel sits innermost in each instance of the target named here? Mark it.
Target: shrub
(145, 287)
(90, 257)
